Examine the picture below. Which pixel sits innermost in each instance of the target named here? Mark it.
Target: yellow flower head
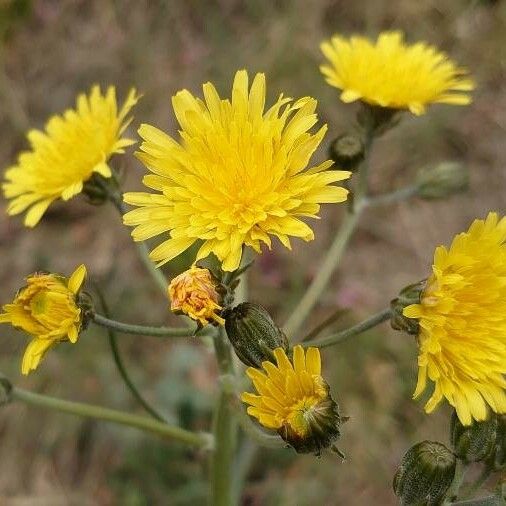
(194, 294)
(294, 399)
(46, 308)
(390, 73)
(235, 177)
(72, 148)
(462, 317)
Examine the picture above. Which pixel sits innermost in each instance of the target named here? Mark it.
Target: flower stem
(338, 337)
(224, 430)
(128, 381)
(116, 198)
(323, 276)
(476, 485)
(198, 440)
(392, 197)
(144, 330)
(453, 492)
(338, 246)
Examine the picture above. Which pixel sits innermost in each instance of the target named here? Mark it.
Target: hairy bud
(347, 151)
(442, 180)
(425, 474)
(410, 295)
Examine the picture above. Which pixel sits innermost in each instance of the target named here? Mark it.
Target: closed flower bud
(295, 400)
(194, 293)
(409, 295)
(48, 309)
(253, 333)
(442, 180)
(425, 474)
(475, 442)
(347, 151)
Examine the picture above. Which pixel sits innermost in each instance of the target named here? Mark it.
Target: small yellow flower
(462, 318)
(194, 294)
(236, 176)
(294, 399)
(46, 309)
(390, 73)
(72, 148)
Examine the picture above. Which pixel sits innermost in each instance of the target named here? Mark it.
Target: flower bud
(409, 295)
(347, 151)
(425, 474)
(253, 333)
(194, 293)
(475, 442)
(442, 180)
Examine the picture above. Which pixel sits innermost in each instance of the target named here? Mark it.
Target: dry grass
(58, 48)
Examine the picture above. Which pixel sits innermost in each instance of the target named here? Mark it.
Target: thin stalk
(476, 485)
(393, 197)
(338, 246)
(341, 336)
(128, 381)
(321, 280)
(453, 492)
(142, 249)
(224, 430)
(338, 313)
(198, 440)
(144, 330)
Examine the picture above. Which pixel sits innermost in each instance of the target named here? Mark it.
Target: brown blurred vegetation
(53, 49)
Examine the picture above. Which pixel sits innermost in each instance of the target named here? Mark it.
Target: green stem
(393, 197)
(319, 283)
(338, 313)
(224, 430)
(117, 200)
(198, 440)
(453, 491)
(476, 485)
(338, 337)
(128, 381)
(338, 246)
(143, 330)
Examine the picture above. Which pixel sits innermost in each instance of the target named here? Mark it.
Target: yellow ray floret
(462, 316)
(391, 73)
(194, 294)
(46, 309)
(72, 148)
(287, 392)
(235, 177)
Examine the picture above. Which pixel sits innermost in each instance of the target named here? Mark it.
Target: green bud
(425, 474)
(475, 442)
(253, 333)
(410, 295)
(347, 151)
(442, 180)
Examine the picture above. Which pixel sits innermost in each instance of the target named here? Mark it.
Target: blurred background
(51, 50)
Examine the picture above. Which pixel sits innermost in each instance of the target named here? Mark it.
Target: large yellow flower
(294, 399)
(462, 317)
(72, 148)
(46, 309)
(235, 177)
(390, 73)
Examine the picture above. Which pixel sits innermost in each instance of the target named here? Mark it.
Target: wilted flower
(236, 176)
(46, 309)
(294, 399)
(390, 73)
(462, 320)
(73, 147)
(194, 294)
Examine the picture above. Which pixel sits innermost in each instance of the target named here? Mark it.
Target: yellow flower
(194, 294)
(390, 73)
(462, 317)
(294, 399)
(235, 177)
(72, 148)
(46, 308)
